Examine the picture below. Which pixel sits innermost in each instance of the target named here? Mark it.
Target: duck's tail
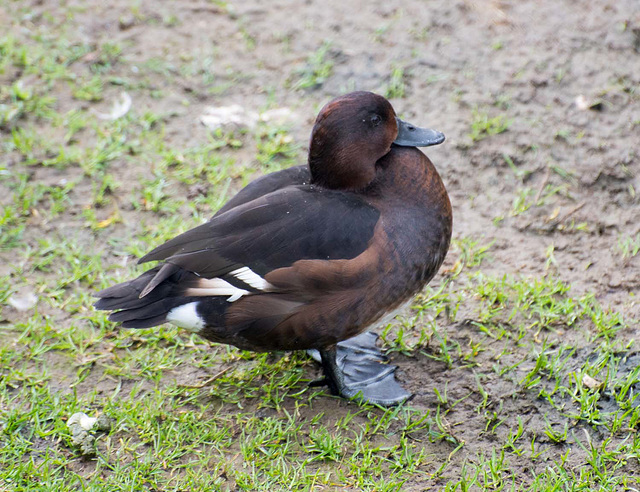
(138, 306)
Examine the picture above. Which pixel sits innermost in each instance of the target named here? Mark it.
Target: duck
(313, 256)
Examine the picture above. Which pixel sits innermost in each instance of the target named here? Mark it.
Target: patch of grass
(629, 246)
(317, 70)
(471, 253)
(11, 228)
(155, 198)
(105, 57)
(397, 85)
(276, 148)
(522, 202)
(17, 101)
(483, 126)
(23, 141)
(90, 90)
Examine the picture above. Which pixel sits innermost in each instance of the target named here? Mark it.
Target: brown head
(350, 135)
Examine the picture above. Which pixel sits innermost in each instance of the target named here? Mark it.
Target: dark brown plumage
(310, 256)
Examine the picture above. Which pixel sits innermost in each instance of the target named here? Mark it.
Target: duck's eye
(375, 120)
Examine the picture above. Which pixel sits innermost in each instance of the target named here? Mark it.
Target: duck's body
(310, 256)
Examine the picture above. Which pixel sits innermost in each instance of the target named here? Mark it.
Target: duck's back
(292, 176)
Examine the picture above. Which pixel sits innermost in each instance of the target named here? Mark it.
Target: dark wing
(207, 272)
(274, 231)
(293, 176)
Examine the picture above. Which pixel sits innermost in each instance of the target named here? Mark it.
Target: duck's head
(350, 135)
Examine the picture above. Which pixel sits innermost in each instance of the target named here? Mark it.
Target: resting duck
(309, 257)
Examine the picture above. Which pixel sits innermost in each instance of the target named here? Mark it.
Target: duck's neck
(337, 163)
(406, 176)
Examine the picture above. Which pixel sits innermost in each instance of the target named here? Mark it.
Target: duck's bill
(412, 136)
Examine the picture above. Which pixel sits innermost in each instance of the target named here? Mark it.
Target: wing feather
(274, 231)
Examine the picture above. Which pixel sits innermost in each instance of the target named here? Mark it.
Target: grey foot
(355, 369)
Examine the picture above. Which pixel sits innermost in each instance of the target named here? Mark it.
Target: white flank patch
(251, 278)
(186, 317)
(216, 287)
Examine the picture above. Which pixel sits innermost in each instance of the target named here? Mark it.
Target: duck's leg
(354, 369)
(333, 375)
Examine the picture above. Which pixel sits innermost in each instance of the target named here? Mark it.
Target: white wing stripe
(216, 287)
(251, 278)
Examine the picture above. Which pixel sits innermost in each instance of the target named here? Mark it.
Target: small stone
(590, 382)
(278, 116)
(582, 103)
(126, 21)
(615, 280)
(121, 107)
(198, 189)
(88, 446)
(78, 435)
(82, 420)
(103, 424)
(239, 117)
(23, 302)
(227, 116)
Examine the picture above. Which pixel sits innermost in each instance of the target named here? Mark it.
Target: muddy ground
(555, 192)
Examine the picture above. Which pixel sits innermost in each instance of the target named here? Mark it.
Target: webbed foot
(354, 369)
